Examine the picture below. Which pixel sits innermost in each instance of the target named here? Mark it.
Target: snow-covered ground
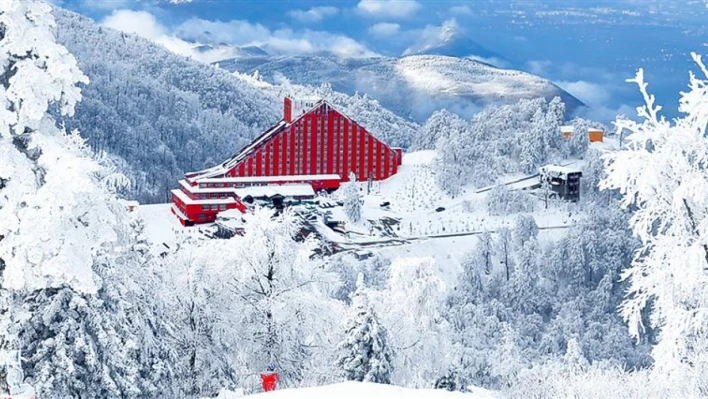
(357, 390)
(415, 196)
(162, 227)
(414, 199)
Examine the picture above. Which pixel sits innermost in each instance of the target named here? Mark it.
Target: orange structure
(595, 135)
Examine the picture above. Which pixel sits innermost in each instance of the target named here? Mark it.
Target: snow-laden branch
(663, 175)
(649, 111)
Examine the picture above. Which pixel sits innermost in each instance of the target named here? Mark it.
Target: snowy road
(396, 241)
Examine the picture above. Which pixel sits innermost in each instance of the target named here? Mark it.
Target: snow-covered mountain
(449, 40)
(214, 52)
(412, 86)
(160, 115)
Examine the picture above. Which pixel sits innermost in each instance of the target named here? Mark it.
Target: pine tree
(364, 353)
(352, 200)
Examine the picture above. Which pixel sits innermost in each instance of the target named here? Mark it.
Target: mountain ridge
(412, 86)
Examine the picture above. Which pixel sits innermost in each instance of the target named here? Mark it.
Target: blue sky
(587, 47)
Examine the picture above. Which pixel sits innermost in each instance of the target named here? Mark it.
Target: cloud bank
(225, 37)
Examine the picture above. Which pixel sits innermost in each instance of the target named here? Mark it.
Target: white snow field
(358, 390)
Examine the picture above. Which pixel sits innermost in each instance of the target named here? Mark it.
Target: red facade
(319, 141)
(312, 140)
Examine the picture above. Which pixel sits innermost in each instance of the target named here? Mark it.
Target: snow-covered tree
(31, 144)
(501, 200)
(499, 139)
(200, 312)
(452, 171)
(71, 255)
(504, 249)
(280, 297)
(352, 199)
(662, 173)
(364, 354)
(525, 228)
(483, 252)
(411, 308)
(437, 127)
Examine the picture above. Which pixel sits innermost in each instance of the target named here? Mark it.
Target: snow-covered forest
(500, 140)
(612, 305)
(157, 114)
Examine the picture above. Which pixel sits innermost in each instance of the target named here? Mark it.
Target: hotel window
(222, 207)
(205, 207)
(214, 207)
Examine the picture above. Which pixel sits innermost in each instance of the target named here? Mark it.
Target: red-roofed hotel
(313, 144)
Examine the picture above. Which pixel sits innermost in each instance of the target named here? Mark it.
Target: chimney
(288, 110)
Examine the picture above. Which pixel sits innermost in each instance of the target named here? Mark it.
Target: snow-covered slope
(412, 86)
(355, 390)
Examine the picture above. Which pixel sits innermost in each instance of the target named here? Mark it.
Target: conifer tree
(352, 201)
(364, 353)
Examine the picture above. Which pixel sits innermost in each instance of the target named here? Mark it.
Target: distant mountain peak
(450, 40)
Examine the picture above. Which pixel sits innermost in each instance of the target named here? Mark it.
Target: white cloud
(142, 23)
(233, 32)
(494, 61)
(104, 5)
(607, 114)
(383, 29)
(314, 14)
(539, 67)
(228, 35)
(282, 41)
(461, 10)
(388, 8)
(433, 35)
(590, 93)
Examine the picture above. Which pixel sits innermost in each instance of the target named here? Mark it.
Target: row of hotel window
(226, 185)
(211, 195)
(304, 158)
(221, 207)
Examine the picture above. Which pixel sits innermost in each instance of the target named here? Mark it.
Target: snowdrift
(358, 390)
